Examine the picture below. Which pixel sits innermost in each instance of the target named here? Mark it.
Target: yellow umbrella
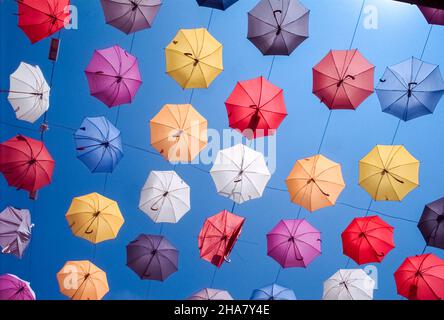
(194, 58)
(179, 132)
(389, 173)
(315, 183)
(82, 280)
(94, 217)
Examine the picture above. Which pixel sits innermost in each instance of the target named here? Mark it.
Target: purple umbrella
(433, 16)
(431, 224)
(130, 15)
(113, 76)
(294, 243)
(14, 288)
(152, 257)
(15, 231)
(278, 27)
(211, 294)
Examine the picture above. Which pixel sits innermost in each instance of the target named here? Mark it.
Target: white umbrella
(211, 294)
(349, 284)
(165, 197)
(240, 173)
(28, 93)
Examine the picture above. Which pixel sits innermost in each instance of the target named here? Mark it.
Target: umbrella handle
(154, 208)
(410, 90)
(228, 260)
(190, 55)
(279, 28)
(238, 180)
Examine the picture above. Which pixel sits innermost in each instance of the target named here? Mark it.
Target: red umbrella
(421, 278)
(367, 240)
(41, 18)
(218, 237)
(256, 108)
(343, 79)
(26, 164)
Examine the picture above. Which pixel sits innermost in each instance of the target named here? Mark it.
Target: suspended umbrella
(179, 132)
(388, 173)
(343, 79)
(194, 58)
(315, 183)
(26, 164)
(431, 224)
(152, 257)
(349, 284)
(432, 15)
(130, 15)
(218, 237)
(113, 76)
(256, 108)
(15, 231)
(98, 145)
(216, 4)
(421, 278)
(94, 217)
(240, 173)
(211, 294)
(367, 240)
(14, 288)
(273, 292)
(278, 27)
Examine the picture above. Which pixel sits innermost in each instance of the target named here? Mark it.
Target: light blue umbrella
(273, 292)
(410, 89)
(99, 145)
(216, 4)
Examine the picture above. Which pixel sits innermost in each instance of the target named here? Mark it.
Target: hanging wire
(271, 67)
(325, 131)
(278, 274)
(213, 277)
(427, 41)
(424, 250)
(132, 42)
(234, 206)
(357, 25)
(377, 212)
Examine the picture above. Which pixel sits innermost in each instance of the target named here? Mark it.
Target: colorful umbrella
(431, 224)
(218, 237)
(194, 58)
(98, 145)
(15, 231)
(273, 292)
(343, 79)
(211, 294)
(256, 108)
(152, 257)
(349, 284)
(216, 4)
(278, 27)
(14, 288)
(315, 183)
(388, 173)
(113, 76)
(432, 15)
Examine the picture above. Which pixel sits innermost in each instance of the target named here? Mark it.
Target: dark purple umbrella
(432, 15)
(15, 231)
(431, 224)
(14, 288)
(152, 257)
(278, 27)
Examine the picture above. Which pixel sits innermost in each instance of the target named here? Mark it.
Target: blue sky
(401, 34)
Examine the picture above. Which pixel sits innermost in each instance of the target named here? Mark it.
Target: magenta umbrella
(113, 76)
(432, 15)
(14, 288)
(294, 243)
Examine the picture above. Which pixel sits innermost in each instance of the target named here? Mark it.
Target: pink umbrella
(294, 243)
(113, 76)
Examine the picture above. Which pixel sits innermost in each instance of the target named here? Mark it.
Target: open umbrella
(113, 76)
(98, 145)
(218, 237)
(388, 173)
(211, 294)
(26, 164)
(194, 58)
(432, 15)
(130, 15)
(273, 292)
(15, 231)
(431, 224)
(343, 79)
(294, 243)
(14, 288)
(152, 257)
(216, 4)
(315, 183)
(421, 278)
(349, 284)
(256, 108)
(278, 27)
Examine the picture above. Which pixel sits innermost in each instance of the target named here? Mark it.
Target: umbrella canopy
(41, 18)
(388, 173)
(273, 292)
(94, 217)
(431, 224)
(349, 284)
(421, 278)
(179, 132)
(343, 79)
(294, 243)
(152, 257)
(194, 58)
(240, 173)
(82, 280)
(130, 15)
(410, 89)
(315, 183)
(14, 288)
(113, 76)
(218, 237)
(28, 92)
(432, 15)
(15, 231)
(98, 145)
(26, 164)
(216, 4)
(278, 27)
(211, 294)
(256, 108)
(368, 239)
